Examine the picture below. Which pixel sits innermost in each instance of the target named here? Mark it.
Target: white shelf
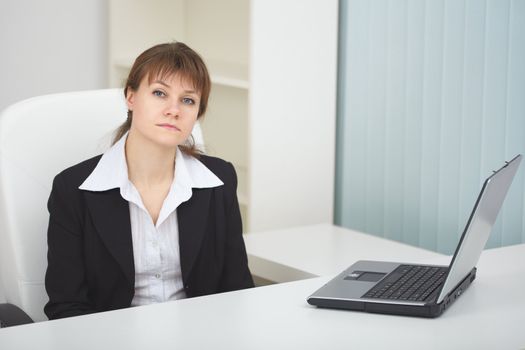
(221, 73)
(229, 74)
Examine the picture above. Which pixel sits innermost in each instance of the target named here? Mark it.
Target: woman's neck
(148, 164)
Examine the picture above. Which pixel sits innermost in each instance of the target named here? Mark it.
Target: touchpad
(365, 276)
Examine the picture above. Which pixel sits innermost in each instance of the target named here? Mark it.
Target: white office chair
(40, 137)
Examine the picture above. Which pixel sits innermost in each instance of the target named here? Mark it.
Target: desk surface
(490, 315)
(321, 250)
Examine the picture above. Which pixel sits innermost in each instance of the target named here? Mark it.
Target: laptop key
(408, 282)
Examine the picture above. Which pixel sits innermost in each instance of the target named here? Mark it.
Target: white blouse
(156, 254)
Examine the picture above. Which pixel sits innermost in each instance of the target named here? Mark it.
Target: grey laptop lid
(479, 225)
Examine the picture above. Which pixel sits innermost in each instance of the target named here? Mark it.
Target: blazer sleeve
(65, 279)
(235, 274)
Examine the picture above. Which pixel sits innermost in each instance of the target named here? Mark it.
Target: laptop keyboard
(409, 282)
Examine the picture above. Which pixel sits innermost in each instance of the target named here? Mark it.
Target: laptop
(421, 290)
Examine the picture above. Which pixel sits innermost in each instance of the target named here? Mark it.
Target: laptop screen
(479, 225)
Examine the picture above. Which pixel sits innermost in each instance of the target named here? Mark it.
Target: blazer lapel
(110, 214)
(193, 220)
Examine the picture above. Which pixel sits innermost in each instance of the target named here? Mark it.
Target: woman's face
(164, 111)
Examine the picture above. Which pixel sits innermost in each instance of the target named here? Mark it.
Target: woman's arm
(65, 276)
(236, 274)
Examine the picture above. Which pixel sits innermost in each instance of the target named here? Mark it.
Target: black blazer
(90, 252)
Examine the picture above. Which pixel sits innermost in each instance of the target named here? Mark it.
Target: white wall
(292, 112)
(51, 46)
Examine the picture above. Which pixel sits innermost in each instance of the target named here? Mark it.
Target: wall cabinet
(272, 106)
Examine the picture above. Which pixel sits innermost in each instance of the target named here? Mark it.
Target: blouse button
(157, 275)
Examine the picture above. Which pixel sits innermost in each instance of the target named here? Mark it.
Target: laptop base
(430, 310)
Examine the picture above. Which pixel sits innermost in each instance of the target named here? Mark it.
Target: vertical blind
(431, 99)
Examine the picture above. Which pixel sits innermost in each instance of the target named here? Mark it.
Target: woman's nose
(172, 109)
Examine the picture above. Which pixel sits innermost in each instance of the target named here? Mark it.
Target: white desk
(321, 250)
(490, 315)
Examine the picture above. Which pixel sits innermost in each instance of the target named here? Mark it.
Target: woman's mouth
(168, 127)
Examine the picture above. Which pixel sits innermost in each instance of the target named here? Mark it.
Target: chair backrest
(40, 137)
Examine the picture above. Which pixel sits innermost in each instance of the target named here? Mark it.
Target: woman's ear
(130, 99)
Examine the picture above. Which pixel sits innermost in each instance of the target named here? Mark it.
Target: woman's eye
(159, 93)
(188, 101)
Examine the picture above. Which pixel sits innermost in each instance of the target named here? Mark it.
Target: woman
(151, 219)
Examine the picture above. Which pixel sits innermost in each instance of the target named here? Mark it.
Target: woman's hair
(165, 60)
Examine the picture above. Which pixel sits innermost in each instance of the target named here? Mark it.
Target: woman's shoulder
(220, 167)
(213, 161)
(77, 173)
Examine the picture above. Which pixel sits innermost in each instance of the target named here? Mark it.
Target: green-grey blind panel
(431, 99)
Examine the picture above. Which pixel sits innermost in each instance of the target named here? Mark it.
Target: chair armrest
(11, 315)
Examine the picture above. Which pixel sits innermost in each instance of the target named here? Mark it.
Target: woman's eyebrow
(190, 92)
(168, 86)
(161, 83)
